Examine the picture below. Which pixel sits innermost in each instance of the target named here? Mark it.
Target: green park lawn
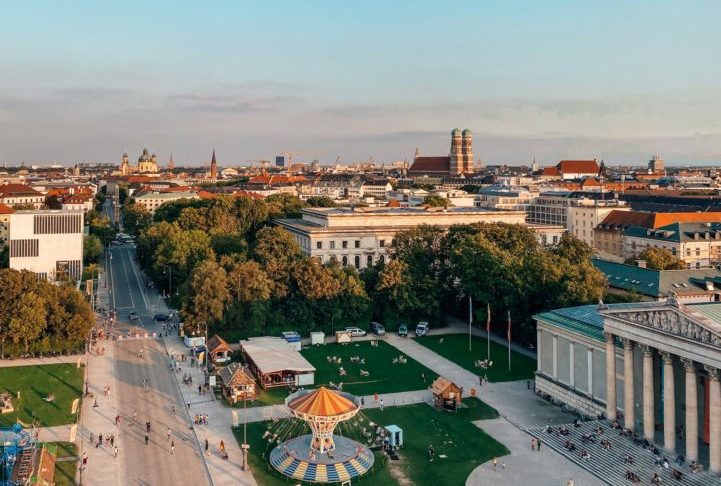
(66, 463)
(34, 383)
(384, 377)
(452, 434)
(455, 348)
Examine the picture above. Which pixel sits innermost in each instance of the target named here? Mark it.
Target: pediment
(677, 321)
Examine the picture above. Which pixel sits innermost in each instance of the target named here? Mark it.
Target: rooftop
(322, 403)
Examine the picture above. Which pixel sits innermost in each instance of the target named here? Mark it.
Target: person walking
(495, 462)
(115, 450)
(135, 415)
(207, 447)
(188, 404)
(200, 390)
(117, 420)
(172, 411)
(147, 438)
(533, 444)
(172, 447)
(168, 434)
(85, 461)
(381, 404)
(538, 445)
(480, 380)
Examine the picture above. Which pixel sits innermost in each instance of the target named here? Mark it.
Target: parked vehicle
(403, 330)
(161, 317)
(378, 329)
(355, 331)
(133, 316)
(422, 329)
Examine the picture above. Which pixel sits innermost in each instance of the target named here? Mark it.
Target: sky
(83, 81)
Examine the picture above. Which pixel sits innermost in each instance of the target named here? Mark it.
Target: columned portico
(669, 403)
(691, 410)
(714, 420)
(628, 382)
(610, 376)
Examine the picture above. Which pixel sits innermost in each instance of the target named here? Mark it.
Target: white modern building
(361, 236)
(153, 200)
(48, 243)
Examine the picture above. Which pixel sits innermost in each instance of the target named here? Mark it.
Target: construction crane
(289, 154)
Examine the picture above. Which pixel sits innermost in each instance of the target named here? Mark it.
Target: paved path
(519, 408)
(6, 363)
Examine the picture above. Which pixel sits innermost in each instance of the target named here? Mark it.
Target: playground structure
(18, 453)
(321, 456)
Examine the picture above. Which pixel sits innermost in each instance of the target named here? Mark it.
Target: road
(151, 464)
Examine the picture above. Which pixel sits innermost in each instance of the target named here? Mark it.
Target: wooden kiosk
(446, 394)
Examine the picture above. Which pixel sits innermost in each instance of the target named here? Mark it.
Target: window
(698, 251)
(332, 245)
(555, 239)
(357, 243)
(382, 243)
(688, 252)
(369, 261)
(357, 261)
(319, 245)
(345, 261)
(382, 259)
(345, 245)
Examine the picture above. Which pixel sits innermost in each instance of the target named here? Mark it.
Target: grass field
(455, 348)
(384, 376)
(34, 383)
(65, 469)
(451, 434)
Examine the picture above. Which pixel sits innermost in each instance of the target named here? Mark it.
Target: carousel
(322, 456)
(17, 456)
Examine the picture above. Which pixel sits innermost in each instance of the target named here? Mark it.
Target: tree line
(227, 265)
(41, 318)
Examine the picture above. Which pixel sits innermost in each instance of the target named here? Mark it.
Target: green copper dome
(456, 132)
(467, 133)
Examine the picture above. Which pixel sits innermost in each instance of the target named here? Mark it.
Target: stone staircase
(609, 465)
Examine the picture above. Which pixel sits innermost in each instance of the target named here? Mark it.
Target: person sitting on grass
(49, 398)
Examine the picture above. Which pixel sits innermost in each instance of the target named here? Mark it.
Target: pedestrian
(147, 426)
(480, 380)
(538, 445)
(495, 462)
(100, 440)
(569, 482)
(528, 384)
(172, 447)
(423, 377)
(431, 452)
(117, 420)
(533, 444)
(207, 447)
(85, 460)
(112, 440)
(200, 390)
(115, 450)
(381, 404)
(168, 434)
(135, 415)
(363, 402)
(188, 404)
(375, 396)
(147, 437)
(172, 411)
(92, 438)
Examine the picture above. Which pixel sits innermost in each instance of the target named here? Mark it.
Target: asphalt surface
(151, 464)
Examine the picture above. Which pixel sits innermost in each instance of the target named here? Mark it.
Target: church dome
(467, 133)
(456, 132)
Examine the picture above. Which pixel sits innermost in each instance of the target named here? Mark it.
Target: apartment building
(48, 243)
(153, 200)
(698, 245)
(20, 194)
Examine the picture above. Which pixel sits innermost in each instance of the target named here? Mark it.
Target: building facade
(698, 245)
(47, 243)
(147, 164)
(361, 236)
(657, 362)
(584, 215)
(458, 161)
(21, 195)
(153, 200)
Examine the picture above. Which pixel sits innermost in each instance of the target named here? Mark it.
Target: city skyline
(549, 81)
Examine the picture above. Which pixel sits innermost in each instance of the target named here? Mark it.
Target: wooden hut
(237, 383)
(446, 394)
(218, 348)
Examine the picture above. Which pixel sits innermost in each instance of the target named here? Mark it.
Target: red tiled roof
(428, 165)
(550, 171)
(591, 182)
(6, 209)
(628, 218)
(625, 219)
(578, 166)
(76, 199)
(393, 203)
(17, 190)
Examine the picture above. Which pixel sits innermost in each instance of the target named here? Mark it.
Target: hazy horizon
(84, 81)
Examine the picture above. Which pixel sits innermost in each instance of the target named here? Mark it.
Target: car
(422, 329)
(378, 329)
(403, 330)
(196, 350)
(114, 243)
(133, 316)
(161, 317)
(355, 331)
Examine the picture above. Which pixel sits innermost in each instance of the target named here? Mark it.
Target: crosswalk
(609, 465)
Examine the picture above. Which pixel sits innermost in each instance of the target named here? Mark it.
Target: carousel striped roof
(305, 470)
(322, 403)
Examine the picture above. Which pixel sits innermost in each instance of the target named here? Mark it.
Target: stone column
(714, 450)
(669, 403)
(610, 376)
(691, 422)
(648, 395)
(628, 398)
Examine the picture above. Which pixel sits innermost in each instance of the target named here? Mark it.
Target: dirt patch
(399, 473)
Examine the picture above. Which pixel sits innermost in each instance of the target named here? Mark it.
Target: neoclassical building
(147, 163)
(655, 365)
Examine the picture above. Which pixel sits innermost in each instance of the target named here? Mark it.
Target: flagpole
(470, 320)
(509, 340)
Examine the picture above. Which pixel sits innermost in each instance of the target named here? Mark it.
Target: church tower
(467, 151)
(456, 156)
(213, 167)
(125, 164)
(171, 164)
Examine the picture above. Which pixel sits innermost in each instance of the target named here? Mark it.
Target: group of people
(200, 419)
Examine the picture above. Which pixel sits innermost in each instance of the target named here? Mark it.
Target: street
(151, 464)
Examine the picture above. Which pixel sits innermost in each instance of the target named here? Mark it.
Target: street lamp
(245, 445)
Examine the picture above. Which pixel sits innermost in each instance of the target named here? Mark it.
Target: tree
(573, 249)
(29, 319)
(276, 250)
(52, 202)
(250, 282)
(284, 205)
(321, 202)
(394, 282)
(435, 200)
(208, 291)
(659, 259)
(136, 218)
(92, 248)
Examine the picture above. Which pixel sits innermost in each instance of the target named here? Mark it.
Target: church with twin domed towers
(147, 164)
(458, 161)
